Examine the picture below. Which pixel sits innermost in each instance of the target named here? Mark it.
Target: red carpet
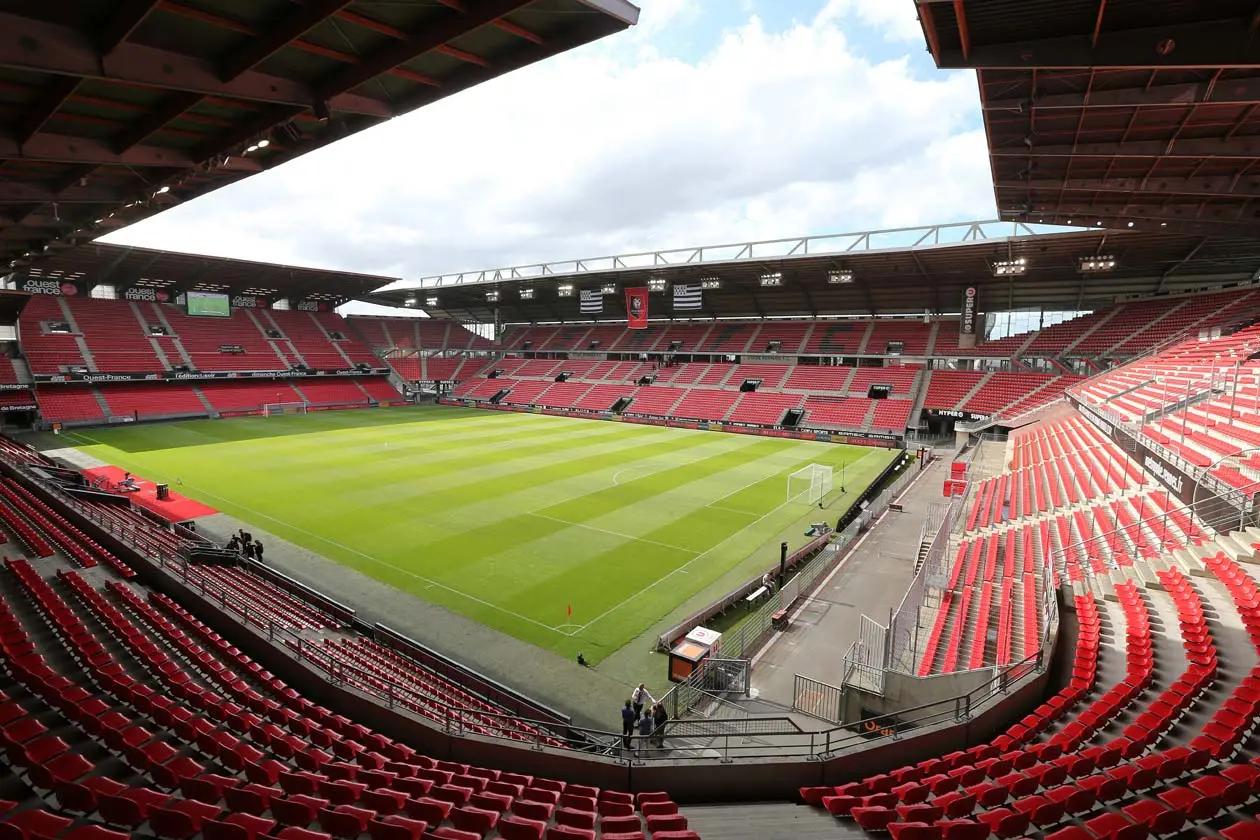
(176, 509)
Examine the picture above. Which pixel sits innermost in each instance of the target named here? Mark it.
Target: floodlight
(1096, 263)
(1006, 268)
(527, 294)
(840, 276)
(772, 278)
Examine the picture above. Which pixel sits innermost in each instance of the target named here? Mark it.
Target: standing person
(641, 697)
(249, 550)
(646, 725)
(659, 717)
(234, 544)
(258, 550)
(627, 725)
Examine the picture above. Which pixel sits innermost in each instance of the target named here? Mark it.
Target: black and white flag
(687, 296)
(592, 302)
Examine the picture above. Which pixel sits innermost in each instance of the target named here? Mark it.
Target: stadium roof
(1119, 111)
(902, 271)
(112, 110)
(125, 266)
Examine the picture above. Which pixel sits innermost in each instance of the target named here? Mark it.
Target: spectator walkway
(872, 580)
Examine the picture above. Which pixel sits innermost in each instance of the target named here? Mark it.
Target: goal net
(809, 484)
(284, 408)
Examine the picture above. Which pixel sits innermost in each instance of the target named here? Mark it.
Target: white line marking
(698, 556)
(355, 551)
(610, 533)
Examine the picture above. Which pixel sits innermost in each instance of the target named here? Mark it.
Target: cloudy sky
(711, 121)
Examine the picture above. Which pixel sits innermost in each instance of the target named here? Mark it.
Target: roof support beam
(129, 15)
(51, 100)
(1102, 11)
(471, 75)
(428, 38)
(1209, 187)
(964, 34)
(171, 108)
(63, 149)
(1235, 91)
(1239, 147)
(28, 44)
(1090, 212)
(17, 192)
(295, 22)
(1172, 269)
(1213, 44)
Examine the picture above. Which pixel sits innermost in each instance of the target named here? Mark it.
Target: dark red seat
(914, 831)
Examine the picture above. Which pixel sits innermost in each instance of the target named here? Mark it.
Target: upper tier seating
(415, 334)
(235, 343)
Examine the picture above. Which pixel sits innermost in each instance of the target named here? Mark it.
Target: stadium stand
(127, 713)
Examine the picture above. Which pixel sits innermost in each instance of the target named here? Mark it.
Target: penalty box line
(683, 567)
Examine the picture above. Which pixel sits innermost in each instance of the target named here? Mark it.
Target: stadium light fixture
(1006, 268)
(710, 282)
(527, 294)
(162, 190)
(410, 301)
(492, 296)
(564, 290)
(608, 289)
(431, 300)
(1096, 263)
(840, 276)
(253, 147)
(772, 278)
(264, 143)
(656, 284)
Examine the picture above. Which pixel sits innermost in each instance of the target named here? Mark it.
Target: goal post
(284, 408)
(809, 484)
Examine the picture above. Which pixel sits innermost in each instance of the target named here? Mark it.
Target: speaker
(163, 492)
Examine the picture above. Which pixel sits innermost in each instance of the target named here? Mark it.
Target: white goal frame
(813, 482)
(269, 409)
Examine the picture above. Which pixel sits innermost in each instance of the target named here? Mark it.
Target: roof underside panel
(112, 110)
(1125, 112)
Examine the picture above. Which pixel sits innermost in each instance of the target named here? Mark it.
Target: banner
(688, 296)
(592, 302)
(967, 324)
(179, 376)
(637, 308)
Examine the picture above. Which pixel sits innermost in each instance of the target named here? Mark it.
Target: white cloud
(599, 151)
(896, 19)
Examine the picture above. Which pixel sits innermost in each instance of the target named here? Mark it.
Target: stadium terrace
(940, 533)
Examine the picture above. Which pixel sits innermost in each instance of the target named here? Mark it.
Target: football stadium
(940, 532)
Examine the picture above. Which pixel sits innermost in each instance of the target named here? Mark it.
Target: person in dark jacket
(659, 718)
(627, 725)
(258, 550)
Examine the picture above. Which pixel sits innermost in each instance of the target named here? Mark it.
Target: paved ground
(872, 580)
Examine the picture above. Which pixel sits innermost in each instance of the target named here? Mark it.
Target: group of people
(644, 716)
(243, 542)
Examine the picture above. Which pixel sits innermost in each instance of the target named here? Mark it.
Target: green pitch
(567, 533)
